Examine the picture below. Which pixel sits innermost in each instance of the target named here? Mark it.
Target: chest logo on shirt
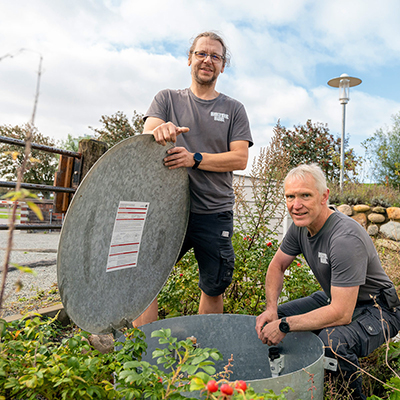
(219, 116)
(323, 258)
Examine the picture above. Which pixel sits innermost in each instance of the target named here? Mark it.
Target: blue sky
(104, 56)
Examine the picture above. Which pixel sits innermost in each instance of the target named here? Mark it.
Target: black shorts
(210, 235)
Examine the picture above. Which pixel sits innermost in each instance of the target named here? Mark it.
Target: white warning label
(127, 234)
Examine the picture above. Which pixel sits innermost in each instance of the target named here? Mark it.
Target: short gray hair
(303, 170)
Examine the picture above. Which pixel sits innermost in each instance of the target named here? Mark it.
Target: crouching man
(343, 259)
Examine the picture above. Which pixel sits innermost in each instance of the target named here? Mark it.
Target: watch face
(197, 157)
(284, 326)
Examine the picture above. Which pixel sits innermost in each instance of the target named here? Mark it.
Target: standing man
(212, 136)
(343, 258)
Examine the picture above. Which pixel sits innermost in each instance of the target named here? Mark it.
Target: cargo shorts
(210, 236)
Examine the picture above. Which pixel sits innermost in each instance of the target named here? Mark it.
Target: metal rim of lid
(133, 170)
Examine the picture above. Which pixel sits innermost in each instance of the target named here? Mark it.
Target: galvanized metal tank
(235, 335)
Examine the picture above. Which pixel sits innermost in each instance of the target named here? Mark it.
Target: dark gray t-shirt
(213, 124)
(340, 254)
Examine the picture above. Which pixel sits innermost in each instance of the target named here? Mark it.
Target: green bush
(35, 364)
(359, 193)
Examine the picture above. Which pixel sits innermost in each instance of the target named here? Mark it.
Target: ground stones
(375, 219)
(361, 218)
(393, 213)
(345, 209)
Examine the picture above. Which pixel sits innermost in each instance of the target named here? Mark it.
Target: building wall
(282, 228)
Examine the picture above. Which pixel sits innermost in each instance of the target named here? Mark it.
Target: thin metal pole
(342, 146)
(27, 227)
(48, 149)
(35, 186)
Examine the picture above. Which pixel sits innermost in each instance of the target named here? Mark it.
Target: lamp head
(344, 82)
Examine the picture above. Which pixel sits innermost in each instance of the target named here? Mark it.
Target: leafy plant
(72, 143)
(383, 153)
(40, 166)
(299, 282)
(35, 364)
(181, 295)
(312, 143)
(117, 127)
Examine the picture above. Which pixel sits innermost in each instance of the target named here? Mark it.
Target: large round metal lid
(121, 235)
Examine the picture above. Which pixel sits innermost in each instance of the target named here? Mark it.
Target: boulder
(361, 219)
(376, 218)
(103, 343)
(361, 208)
(391, 230)
(372, 230)
(393, 212)
(379, 210)
(345, 209)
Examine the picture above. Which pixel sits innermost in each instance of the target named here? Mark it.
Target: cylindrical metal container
(235, 335)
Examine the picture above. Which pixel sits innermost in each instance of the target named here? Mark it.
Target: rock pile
(375, 219)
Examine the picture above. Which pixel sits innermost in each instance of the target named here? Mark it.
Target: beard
(209, 81)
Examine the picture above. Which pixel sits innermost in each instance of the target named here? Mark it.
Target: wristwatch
(284, 326)
(198, 158)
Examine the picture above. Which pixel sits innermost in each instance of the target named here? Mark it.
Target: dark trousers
(363, 335)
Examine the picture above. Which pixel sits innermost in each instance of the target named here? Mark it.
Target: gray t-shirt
(340, 254)
(213, 124)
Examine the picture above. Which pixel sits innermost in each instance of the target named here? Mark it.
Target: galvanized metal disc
(99, 301)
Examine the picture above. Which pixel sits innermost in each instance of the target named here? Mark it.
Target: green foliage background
(383, 154)
(42, 165)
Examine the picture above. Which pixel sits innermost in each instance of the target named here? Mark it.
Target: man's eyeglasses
(215, 58)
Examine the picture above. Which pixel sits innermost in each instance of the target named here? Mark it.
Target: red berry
(298, 264)
(180, 274)
(269, 244)
(241, 385)
(212, 386)
(160, 379)
(226, 389)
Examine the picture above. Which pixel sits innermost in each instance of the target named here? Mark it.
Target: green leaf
(209, 369)
(215, 355)
(199, 359)
(197, 384)
(134, 364)
(192, 369)
(158, 353)
(26, 270)
(35, 208)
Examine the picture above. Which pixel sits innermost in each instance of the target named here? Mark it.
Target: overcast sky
(104, 56)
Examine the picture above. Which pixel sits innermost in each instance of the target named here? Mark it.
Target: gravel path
(37, 251)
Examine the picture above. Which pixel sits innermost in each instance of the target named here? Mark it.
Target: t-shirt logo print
(219, 116)
(323, 258)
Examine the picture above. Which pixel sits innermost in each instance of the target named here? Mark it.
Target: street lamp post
(344, 83)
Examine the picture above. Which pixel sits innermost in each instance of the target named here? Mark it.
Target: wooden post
(91, 151)
(63, 178)
(72, 170)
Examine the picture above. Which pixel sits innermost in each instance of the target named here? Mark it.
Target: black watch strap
(198, 158)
